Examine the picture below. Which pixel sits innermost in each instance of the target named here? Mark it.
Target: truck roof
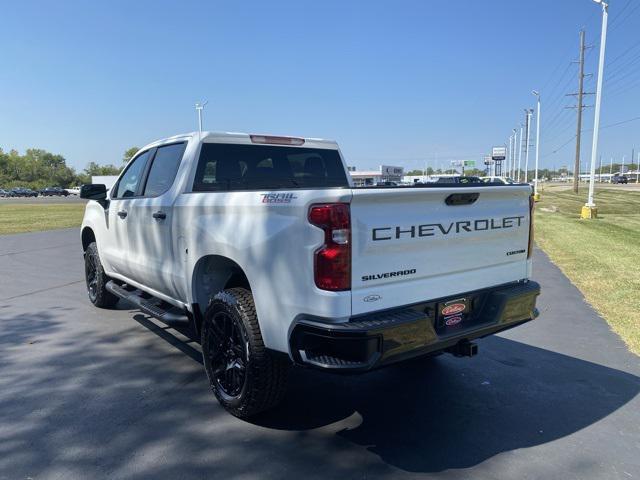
(240, 137)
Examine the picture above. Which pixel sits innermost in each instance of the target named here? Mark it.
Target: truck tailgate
(415, 244)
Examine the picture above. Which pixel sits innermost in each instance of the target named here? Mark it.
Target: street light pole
(510, 162)
(589, 210)
(513, 155)
(526, 145)
(199, 108)
(520, 153)
(536, 195)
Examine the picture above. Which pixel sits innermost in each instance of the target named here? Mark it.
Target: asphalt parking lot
(87, 393)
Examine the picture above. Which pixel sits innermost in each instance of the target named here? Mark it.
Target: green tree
(430, 171)
(128, 154)
(36, 169)
(95, 169)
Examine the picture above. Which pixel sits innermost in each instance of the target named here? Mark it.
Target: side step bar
(171, 316)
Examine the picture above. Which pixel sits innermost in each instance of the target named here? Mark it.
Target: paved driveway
(86, 393)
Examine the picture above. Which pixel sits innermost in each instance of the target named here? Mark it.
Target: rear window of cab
(228, 167)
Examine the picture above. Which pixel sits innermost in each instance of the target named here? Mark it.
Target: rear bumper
(378, 339)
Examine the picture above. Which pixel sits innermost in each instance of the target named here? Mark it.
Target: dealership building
(385, 173)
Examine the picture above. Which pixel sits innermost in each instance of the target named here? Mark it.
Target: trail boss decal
(277, 197)
(433, 229)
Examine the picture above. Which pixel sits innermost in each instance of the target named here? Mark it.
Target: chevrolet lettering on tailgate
(432, 229)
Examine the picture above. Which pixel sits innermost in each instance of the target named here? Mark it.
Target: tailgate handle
(461, 198)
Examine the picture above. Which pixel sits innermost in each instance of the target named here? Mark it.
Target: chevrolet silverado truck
(263, 248)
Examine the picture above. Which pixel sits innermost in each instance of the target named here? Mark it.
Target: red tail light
(332, 261)
(532, 204)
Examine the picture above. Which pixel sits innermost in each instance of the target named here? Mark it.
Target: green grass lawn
(601, 256)
(20, 218)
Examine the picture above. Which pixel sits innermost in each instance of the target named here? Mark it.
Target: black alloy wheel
(91, 275)
(227, 351)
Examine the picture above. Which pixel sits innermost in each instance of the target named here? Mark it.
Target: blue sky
(400, 82)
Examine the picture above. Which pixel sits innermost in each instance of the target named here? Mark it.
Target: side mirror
(95, 191)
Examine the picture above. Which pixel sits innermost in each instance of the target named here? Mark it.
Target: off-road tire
(98, 294)
(265, 374)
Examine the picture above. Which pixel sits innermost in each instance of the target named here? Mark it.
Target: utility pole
(528, 113)
(580, 94)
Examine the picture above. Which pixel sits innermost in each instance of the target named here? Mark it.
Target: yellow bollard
(536, 197)
(589, 212)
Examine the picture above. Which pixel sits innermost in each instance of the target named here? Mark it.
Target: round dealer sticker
(453, 309)
(449, 322)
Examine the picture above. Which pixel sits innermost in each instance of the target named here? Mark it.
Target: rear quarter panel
(273, 243)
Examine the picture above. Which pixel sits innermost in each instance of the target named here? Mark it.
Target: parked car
(23, 192)
(619, 179)
(505, 180)
(263, 247)
(54, 192)
(73, 190)
(459, 180)
(5, 193)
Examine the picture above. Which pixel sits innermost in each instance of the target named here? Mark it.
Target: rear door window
(266, 167)
(163, 169)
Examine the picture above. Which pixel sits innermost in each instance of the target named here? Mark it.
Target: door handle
(122, 214)
(159, 215)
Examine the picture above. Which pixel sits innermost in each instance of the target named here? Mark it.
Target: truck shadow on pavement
(435, 414)
(116, 400)
(431, 415)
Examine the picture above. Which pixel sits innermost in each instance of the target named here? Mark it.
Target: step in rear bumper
(378, 339)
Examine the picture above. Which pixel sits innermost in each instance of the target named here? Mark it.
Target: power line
(621, 123)
(619, 24)
(560, 147)
(620, 12)
(615, 59)
(625, 88)
(611, 125)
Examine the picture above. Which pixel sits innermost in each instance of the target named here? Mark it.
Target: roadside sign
(389, 170)
(488, 160)
(469, 163)
(499, 153)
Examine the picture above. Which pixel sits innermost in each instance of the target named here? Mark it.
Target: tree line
(37, 169)
(543, 173)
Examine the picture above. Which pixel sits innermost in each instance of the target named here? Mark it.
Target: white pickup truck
(262, 246)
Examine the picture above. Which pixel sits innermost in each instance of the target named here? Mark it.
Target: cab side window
(130, 180)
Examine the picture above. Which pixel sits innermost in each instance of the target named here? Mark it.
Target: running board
(171, 316)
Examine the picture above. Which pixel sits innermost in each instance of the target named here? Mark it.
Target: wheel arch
(87, 236)
(211, 274)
